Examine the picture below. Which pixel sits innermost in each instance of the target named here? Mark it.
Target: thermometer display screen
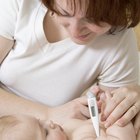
(93, 111)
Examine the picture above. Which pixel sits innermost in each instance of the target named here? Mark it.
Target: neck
(51, 26)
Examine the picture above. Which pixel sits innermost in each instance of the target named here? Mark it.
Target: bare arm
(10, 104)
(5, 46)
(85, 131)
(138, 135)
(121, 133)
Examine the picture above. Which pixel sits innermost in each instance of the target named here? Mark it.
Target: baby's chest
(84, 132)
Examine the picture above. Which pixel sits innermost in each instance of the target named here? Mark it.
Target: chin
(81, 42)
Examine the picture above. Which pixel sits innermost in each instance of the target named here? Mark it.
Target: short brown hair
(117, 13)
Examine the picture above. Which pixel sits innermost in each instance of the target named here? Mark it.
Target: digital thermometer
(93, 110)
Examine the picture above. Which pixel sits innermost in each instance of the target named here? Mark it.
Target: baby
(23, 127)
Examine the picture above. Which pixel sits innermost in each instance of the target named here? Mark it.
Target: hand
(138, 135)
(123, 106)
(99, 93)
(137, 124)
(76, 108)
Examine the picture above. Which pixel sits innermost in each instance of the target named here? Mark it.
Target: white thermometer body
(93, 110)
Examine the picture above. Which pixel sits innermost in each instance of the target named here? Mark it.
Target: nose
(53, 125)
(77, 27)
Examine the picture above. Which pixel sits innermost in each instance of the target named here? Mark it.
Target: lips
(82, 36)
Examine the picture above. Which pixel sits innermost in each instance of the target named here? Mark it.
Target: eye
(89, 20)
(64, 15)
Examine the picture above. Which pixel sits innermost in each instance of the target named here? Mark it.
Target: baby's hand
(137, 124)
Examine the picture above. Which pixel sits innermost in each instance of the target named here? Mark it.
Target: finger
(81, 117)
(99, 104)
(95, 89)
(82, 112)
(82, 100)
(103, 118)
(112, 103)
(123, 90)
(120, 110)
(137, 123)
(78, 113)
(108, 95)
(128, 116)
(85, 112)
(138, 135)
(103, 97)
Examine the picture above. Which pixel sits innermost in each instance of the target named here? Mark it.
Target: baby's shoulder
(84, 131)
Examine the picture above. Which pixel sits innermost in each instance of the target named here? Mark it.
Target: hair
(118, 13)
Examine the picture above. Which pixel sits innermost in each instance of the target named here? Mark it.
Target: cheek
(64, 22)
(67, 23)
(55, 135)
(99, 30)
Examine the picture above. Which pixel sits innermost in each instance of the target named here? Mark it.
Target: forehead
(18, 128)
(26, 129)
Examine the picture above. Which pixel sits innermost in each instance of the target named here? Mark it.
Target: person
(23, 127)
(53, 50)
(29, 128)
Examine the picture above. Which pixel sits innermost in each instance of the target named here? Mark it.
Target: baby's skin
(29, 128)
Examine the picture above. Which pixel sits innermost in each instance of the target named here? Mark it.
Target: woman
(49, 56)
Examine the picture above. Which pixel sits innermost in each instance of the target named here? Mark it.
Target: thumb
(82, 100)
(95, 90)
(137, 123)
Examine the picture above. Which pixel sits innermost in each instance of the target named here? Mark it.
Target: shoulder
(110, 46)
(113, 41)
(121, 45)
(13, 6)
(13, 13)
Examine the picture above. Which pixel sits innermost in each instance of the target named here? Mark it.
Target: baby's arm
(115, 132)
(85, 131)
(138, 135)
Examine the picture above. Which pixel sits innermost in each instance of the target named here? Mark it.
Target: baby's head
(19, 128)
(28, 128)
